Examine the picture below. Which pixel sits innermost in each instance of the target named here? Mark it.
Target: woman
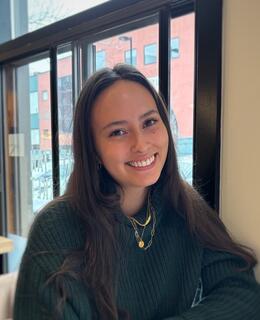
(130, 239)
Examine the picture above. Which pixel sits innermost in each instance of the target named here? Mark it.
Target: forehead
(124, 96)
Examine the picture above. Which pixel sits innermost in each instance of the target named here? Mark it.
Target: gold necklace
(148, 215)
(147, 221)
(139, 238)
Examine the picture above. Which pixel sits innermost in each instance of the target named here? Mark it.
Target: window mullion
(164, 58)
(54, 123)
(76, 75)
(207, 99)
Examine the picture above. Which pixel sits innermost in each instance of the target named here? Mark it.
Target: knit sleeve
(228, 294)
(36, 297)
(36, 300)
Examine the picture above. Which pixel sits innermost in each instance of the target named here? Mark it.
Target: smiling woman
(130, 239)
(131, 139)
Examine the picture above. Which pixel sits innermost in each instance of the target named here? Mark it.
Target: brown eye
(117, 133)
(149, 122)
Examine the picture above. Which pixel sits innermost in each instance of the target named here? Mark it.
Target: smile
(143, 163)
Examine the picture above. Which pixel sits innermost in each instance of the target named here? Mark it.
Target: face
(129, 135)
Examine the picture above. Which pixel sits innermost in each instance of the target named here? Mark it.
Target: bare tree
(45, 12)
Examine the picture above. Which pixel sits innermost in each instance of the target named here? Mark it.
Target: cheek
(162, 138)
(154, 130)
(111, 153)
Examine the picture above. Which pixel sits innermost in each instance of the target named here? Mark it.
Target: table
(6, 245)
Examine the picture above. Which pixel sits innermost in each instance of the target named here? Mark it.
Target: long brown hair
(94, 194)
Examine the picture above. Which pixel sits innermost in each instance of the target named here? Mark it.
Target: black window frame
(207, 89)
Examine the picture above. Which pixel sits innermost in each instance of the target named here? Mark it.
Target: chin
(149, 182)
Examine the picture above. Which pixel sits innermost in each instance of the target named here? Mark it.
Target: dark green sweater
(175, 279)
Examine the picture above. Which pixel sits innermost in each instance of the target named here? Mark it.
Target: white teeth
(143, 163)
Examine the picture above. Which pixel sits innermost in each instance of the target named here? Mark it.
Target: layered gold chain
(150, 215)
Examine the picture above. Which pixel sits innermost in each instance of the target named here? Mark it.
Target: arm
(36, 300)
(228, 294)
(53, 233)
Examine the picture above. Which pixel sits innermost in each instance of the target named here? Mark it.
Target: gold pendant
(141, 244)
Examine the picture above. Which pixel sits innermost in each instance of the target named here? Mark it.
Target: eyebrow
(123, 122)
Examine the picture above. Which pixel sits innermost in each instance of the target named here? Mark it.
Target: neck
(132, 200)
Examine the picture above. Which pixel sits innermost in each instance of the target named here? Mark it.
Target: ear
(98, 159)
(99, 162)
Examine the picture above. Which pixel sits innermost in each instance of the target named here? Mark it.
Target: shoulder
(56, 227)
(217, 257)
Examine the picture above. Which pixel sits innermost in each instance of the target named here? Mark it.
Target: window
(35, 121)
(35, 137)
(34, 102)
(21, 17)
(45, 95)
(182, 91)
(117, 48)
(100, 59)
(33, 83)
(175, 48)
(30, 180)
(150, 54)
(65, 100)
(65, 113)
(130, 57)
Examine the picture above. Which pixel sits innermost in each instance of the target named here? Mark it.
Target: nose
(139, 143)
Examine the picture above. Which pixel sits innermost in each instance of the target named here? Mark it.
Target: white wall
(240, 168)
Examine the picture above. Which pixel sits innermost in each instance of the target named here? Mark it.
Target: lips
(142, 163)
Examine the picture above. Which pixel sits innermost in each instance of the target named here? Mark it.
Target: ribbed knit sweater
(175, 279)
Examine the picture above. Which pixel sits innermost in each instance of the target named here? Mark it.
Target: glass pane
(29, 156)
(44, 12)
(130, 48)
(182, 90)
(65, 112)
(130, 57)
(175, 48)
(150, 53)
(23, 16)
(100, 59)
